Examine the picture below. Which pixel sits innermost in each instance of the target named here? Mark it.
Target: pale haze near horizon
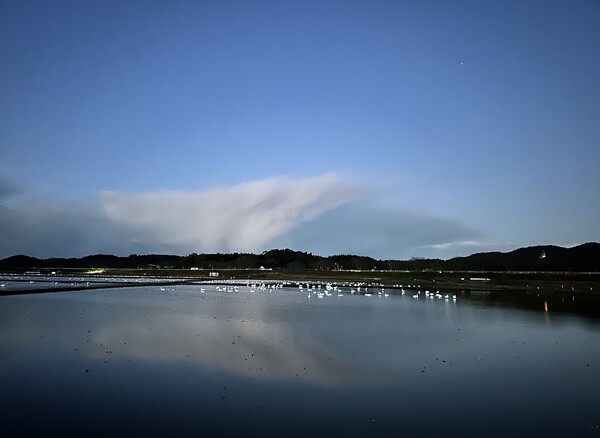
(388, 129)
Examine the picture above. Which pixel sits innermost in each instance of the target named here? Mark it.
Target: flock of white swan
(323, 290)
(318, 289)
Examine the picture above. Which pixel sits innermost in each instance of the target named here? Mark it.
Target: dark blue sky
(418, 128)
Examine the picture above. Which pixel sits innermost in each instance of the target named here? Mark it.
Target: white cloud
(244, 217)
(449, 245)
(382, 232)
(465, 247)
(325, 215)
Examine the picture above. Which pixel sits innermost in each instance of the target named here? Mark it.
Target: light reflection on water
(146, 360)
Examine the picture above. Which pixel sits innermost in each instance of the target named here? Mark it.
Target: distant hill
(582, 258)
(92, 261)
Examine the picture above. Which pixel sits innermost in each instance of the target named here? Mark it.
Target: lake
(218, 360)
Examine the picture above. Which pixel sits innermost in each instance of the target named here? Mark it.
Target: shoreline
(544, 283)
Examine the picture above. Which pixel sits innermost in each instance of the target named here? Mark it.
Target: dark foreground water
(183, 361)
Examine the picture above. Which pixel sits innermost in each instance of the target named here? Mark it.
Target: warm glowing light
(95, 271)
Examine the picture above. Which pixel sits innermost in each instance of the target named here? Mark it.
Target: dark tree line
(582, 258)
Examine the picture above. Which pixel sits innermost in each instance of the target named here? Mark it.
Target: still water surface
(186, 361)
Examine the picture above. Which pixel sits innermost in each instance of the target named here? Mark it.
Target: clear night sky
(384, 128)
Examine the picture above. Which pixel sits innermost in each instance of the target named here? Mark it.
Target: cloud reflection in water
(255, 349)
(247, 334)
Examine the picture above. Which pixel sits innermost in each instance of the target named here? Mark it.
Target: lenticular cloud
(244, 217)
